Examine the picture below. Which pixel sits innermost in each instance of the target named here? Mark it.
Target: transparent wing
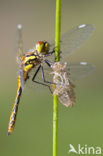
(19, 47)
(77, 71)
(72, 40)
(80, 70)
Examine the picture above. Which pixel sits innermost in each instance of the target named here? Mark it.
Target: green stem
(57, 55)
(58, 30)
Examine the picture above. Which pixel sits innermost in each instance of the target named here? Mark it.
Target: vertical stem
(58, 30)
(57, 55)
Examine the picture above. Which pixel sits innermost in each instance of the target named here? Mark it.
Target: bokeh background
(81, 124)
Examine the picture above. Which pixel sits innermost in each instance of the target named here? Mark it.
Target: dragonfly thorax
(42, 47)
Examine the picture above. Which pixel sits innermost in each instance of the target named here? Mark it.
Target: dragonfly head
(42, 47)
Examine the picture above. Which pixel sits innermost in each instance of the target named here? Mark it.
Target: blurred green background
(81, 124)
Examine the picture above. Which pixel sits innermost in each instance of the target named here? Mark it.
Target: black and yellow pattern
(28, 61)
(15, 108)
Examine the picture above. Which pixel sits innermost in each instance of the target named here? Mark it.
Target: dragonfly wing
(19, 42)
(73, 39)
(77, 71)
(80, 70)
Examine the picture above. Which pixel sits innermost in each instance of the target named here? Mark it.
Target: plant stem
(58, 30)
(57, 55)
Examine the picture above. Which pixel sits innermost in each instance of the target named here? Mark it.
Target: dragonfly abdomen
(15, 108)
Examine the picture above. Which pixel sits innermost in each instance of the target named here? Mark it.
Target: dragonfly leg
(43, 76)
(50, 53)
(49, 63)
(33, 79)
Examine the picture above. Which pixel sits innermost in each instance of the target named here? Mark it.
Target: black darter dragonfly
(40, 58)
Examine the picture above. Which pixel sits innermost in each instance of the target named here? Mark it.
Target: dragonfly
(41, 57)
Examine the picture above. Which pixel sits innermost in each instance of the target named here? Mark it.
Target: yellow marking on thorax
(28, 67)
(28, 58)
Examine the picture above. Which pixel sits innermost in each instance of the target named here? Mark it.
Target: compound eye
(39, 46)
